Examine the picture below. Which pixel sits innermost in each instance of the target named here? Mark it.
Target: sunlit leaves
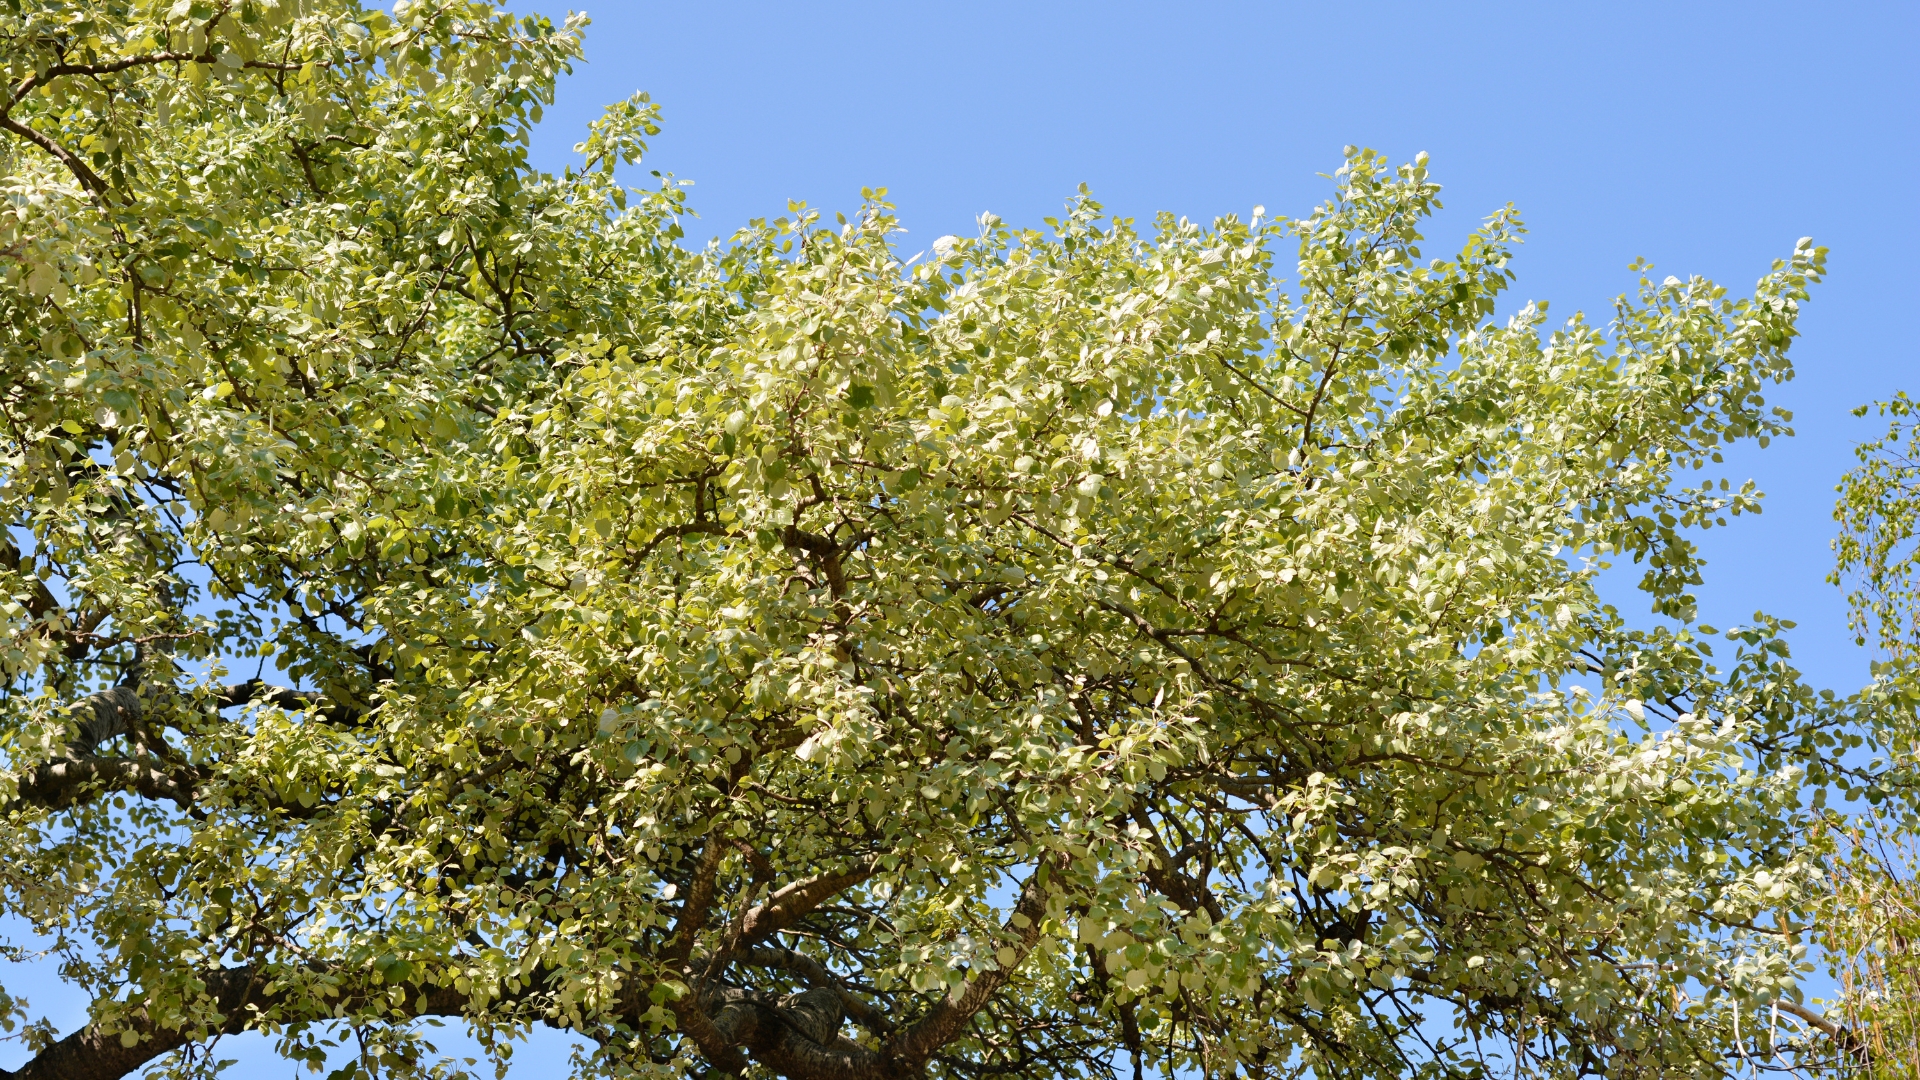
(1233, 583)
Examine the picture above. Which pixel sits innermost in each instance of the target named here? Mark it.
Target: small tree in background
(1871, 920)
(1878, 548)
(1079, 650)
(1869, 928)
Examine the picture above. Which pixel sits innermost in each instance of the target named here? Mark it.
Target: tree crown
(1079, 644)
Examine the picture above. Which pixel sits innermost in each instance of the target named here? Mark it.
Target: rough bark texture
(798, 1036)
(65, 780)
(93, 1054)
(147, 769)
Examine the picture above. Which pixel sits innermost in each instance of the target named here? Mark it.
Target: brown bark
(797, 1036)
(91, 1054)
(791, 901)
(817, 975)
(913, 1046)
(238, 996)
(40, 600)
(68, 779)
(80, 772)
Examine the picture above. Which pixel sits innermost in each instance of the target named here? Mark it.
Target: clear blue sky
(1704, 137)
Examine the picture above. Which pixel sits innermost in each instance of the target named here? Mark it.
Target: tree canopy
(429, 589)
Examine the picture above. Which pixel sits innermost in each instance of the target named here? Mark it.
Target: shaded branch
(791, 901)
(240, 999)
(817, 974)
(81, 772)
(797, 1036)
(919, 1042)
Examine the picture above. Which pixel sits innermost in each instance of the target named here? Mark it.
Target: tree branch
(1831, 1029)
(240, 998)
(796, 1036)
(81, 771)
(721, 1048)
(916, 1044)
(791, 901)
(65, 780)
(58, 784)
(818, 974)
(259, 692)
(87, 177)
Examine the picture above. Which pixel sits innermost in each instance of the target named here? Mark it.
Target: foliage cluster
(1069, 648)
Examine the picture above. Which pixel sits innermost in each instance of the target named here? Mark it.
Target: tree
(1878, 511)
(1868, 922)
(1870, 916)
(1069, 653)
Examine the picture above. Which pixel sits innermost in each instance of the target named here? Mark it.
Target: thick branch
(791, 901)
(82, 771)
(824, 550)
(913, 1046)
(63, 781)
(56, 785)
(105, 715)
(798, 1036)
(690, 1012)
(819, 975)
(237, 994)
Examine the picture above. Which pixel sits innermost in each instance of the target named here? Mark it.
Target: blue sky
(1704, 137)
